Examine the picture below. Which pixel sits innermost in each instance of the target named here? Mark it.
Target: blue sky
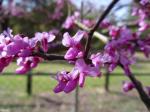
(97, 3)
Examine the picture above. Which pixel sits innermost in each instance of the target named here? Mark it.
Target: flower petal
(51, 37)
(59, 87)
(81, 79)
(78, 36)
(70, 86)
(71, 53)
(93, 71)
(81, 65)
(66, 40)
(22, 70)
(44, 43)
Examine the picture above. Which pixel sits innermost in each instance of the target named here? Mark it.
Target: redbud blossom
(75, 48)
(127, 86)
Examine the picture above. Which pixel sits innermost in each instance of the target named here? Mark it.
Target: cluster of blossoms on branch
(68, 81)
(142, 12)
(21, 48)
(119, 51)
(70, 21)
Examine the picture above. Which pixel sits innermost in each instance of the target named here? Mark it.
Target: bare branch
(102, 17)
(49, 57)
(144, 97)
(139, 87)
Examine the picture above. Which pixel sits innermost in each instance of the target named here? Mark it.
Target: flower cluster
(143, 15)
(70, 21)
(119, 51)
(68, 81)
(21, 47)
(73, 43)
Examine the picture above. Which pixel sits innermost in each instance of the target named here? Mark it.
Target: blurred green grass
(44, 83)
(13, 94)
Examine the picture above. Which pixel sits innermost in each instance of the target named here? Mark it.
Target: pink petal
(74, 73)
(66, 40)
(71, 53)
(127, 86)
(44, 44)
(70, 86)
(93, 71)
(78, 36)
(81, 65)
(51, 37)
(81, 79)
(25, 53)
(21, 70)
(59, 87)
(112, 67)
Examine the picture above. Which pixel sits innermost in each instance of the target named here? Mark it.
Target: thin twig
(49, 57)
(102, 17)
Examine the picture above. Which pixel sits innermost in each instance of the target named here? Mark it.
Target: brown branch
(1, 1)
(144, 97)
(139, 87)
(49, 57)
(52, 57)
(102, 17)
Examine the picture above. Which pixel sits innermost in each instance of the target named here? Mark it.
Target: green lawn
(45, 83)
(13, 95)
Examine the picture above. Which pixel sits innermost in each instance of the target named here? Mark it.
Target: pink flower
(127, 86)
(81, 70)
(111, 60)
(65, 83)
(4, 62)
(44, 38)
(26, 64)
(75, 48)
(144, 46)
(88, 23)
(72, 53)
(143, 26)
(114, 32)
(16, 45)
(144, 2)
(69, 23)
(105, 24)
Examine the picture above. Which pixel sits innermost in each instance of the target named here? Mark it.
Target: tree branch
(49, 57)
(144, 97)
(139, 87)
(1, 1)
(102, 17)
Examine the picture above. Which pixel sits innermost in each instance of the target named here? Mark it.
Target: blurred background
(33, 92)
